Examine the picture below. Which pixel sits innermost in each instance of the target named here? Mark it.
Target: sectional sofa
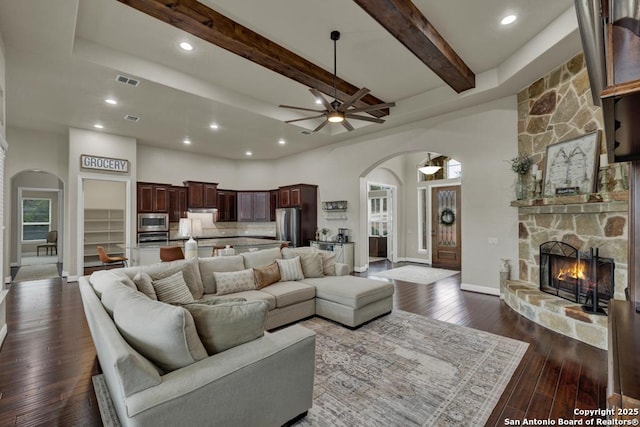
(184, 342)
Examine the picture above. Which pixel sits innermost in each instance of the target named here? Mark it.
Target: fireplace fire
(586, 279)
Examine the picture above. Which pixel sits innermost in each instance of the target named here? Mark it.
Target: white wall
(104, 194)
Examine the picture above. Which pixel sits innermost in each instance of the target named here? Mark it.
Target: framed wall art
(570, 166)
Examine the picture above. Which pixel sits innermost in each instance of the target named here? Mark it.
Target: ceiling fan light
(429, 170)
(335, 117)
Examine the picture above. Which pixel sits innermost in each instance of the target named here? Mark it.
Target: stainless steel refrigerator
(288, 226)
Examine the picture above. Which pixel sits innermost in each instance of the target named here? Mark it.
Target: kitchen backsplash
(229, 229)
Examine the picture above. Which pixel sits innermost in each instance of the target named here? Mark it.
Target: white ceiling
(63, 57)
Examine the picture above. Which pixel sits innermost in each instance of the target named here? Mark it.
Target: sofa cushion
(102, 279)
(260, 258)
(254, 295)
(172, 289)
(288, 253)
(226, 325)
(312, 265)
(266, 275)
(328, 262)
(351, 291)
(163, 333)
(288, 293)
(290, 269)
(218, 263)
(234, 281)
(144, 283)
(190, 272)
(113, 293)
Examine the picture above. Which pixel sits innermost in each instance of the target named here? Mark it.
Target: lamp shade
(429, 170)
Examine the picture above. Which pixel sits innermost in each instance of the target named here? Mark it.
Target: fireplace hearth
(583, 278)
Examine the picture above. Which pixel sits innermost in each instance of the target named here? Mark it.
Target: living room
(478, 128)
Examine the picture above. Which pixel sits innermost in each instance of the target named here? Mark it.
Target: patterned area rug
(36, 272)
(416, 274)
(408, 370)
(399, 370)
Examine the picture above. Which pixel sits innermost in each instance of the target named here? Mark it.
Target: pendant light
(429, 168)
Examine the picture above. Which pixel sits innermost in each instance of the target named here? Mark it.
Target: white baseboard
(7, 280)
(72, 278)
(480, 289)
(361, 269)
(3, 333)
(417, 260)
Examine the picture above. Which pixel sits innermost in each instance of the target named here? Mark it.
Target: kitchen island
(149, 253)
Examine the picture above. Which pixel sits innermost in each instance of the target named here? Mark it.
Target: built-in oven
(153, 222)
(153, 237)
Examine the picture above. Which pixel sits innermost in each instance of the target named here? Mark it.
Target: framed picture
(571, 166)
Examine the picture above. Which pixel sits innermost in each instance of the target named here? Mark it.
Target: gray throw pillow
(172, 289)
(223, 326)
(144, 283)
(311, 265)
(290, 269)
(220, 264)
(234, 281)
(190, 272)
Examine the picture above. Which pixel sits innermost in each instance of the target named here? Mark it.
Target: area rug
(408, 370)
(36, 272)
(416, 274)
(398, 370)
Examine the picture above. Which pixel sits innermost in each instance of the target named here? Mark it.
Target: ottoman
(351, 300)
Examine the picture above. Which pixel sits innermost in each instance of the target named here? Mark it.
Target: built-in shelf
(103, 227)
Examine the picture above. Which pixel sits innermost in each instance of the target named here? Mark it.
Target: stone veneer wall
(555, 108)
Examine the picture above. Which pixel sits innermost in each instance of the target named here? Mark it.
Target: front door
(445, 227)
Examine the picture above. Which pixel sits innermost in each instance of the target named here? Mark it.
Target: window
(36, 219)
(454, 169)
(379, 217)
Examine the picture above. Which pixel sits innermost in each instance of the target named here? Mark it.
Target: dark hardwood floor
(48, 358)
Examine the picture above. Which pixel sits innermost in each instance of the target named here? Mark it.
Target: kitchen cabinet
(152, 197)
(177, 203)
(201, 195)
(254, 206)
(377, 246)
(304, 196)
(273, 204)
(227, 200)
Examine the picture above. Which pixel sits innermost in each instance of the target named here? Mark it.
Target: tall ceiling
(63, 57)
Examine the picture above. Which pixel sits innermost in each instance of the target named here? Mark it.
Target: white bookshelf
(103, 227)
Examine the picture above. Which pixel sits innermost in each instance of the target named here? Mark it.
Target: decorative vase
(521, 187)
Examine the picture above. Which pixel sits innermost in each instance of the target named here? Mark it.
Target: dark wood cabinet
(273, 204)
(202, 195)
(378, 246)
(227, 201)
(177, 203)
(305, 197)
(254, 206)
(152, 197)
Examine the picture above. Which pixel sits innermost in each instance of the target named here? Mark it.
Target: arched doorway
(36, 231)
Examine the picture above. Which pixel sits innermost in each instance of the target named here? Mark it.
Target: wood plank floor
(48, 358)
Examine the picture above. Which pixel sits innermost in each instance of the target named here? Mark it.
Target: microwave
(153, 222)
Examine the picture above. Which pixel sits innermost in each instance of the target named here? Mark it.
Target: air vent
(306, 132)
(127, 80)
(132, 118)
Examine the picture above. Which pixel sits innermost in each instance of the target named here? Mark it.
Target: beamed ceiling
(430, 58)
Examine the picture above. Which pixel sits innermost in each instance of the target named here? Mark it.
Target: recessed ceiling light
(509, 19)
(111, 101)
(186, 46)
(214, 126)
(318, 101)
(248, 153)
(98, 126)
(186, 141)
(282, 141)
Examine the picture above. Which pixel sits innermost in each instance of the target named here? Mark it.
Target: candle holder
(619, 184)
(604, 179)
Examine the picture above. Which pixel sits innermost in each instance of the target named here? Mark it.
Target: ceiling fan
(336, 111)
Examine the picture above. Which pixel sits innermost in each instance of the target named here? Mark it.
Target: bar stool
(171, 253)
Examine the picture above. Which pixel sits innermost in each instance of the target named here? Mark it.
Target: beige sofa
(151, 353)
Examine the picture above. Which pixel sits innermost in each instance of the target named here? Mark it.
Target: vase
(521, 188)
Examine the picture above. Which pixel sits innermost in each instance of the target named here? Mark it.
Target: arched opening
(36, 231)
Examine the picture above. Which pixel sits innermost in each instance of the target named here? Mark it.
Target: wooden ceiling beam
(407, 24)
(209, 25)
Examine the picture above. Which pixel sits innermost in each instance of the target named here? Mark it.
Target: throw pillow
(267, 275)
(217, 263)
(261, 258)
(290, 269)
(328, 263)
(223, 326)
(288, 253)
(172, 289)
(163, 333)
(144, 284)
(311, 265)
(190, 272)
(234, 281)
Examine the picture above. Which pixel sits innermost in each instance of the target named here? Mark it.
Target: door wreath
(447, 216)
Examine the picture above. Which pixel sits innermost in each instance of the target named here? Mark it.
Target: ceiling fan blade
(322, 99)
(365, 118)
(354, 98)
(323, 124)
(301, 108)
(347, 125)
(304, 118)
(372, 107)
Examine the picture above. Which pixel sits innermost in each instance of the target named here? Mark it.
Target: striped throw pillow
(290, 269)
(234, 281)
(172, 289)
